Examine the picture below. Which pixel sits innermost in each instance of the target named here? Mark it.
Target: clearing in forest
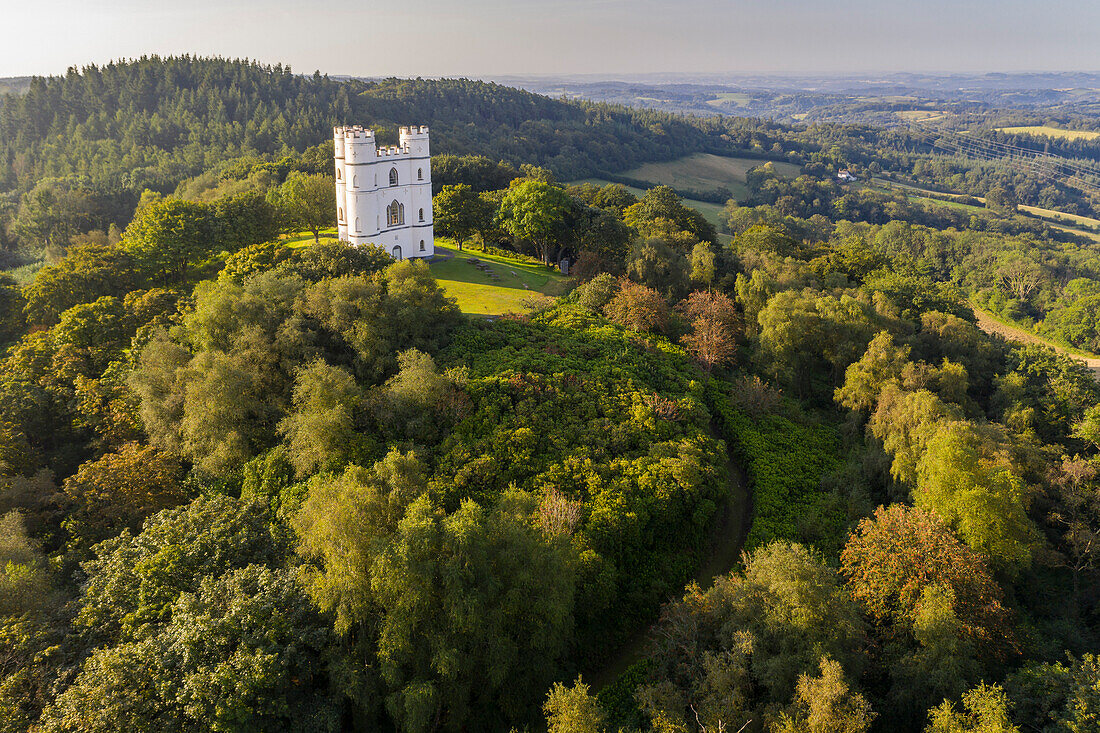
(1055, 132)
(493, 285)
(704, 171)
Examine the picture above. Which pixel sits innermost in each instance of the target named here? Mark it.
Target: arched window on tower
(355, 181)
(357, 228)
(395, 214)
(340, 214)
(421, 245)
(422, 215)
(393, 176)
(337, 174)
(420, 174)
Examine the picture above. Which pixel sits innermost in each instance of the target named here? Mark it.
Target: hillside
(153, 122)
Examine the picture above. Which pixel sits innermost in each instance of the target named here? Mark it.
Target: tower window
(421, 245)
(420, 174)
(355, 181)
(395, 214)
(357, 224)
(337, 174)
(340, 214)
(393, 176)
(422, 215)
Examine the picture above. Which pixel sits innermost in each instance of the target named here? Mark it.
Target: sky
(485, 38)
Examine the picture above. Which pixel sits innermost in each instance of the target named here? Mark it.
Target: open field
(992, 324)
(723, 99)
(710, 211)
(705, 171)
(1072, 223)
(920, 115)
(477, 293)
(1052, 214)
(1049, 131)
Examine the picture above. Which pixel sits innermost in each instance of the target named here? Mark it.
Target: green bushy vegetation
(252, 486)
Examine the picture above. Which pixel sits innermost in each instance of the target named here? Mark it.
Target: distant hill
(152, 122)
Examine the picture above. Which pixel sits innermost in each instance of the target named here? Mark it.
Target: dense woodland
(250, 487)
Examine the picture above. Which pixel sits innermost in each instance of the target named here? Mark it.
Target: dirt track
(987, 324)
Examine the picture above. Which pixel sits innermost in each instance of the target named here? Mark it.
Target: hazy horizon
(489, 38)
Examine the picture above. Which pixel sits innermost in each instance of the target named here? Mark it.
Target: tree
(169, 235)
(638, 308)
(826, 704)
(25, 585)
(458, 604)
(323, 430)
(657, 265)
(892, 558)
(119, 490)
(247, 651)
(661, 202)
(536, 211)
(134, 581)
(962, 479)
(985, 710)
(573, 710)
(702, 264)
(306, 202)
(1088, 428)
(85, 273)
(459, 212)
(713, 317)
(726, 655)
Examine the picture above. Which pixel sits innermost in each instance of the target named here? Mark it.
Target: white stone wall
(363, 190)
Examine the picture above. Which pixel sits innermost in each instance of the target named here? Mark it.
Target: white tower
(384, 195)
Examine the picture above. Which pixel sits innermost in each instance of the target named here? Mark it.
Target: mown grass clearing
(705, 171)
(518, 285)
(305, 239)
(1047, 130)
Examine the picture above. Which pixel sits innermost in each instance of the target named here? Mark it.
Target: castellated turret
(384, 194)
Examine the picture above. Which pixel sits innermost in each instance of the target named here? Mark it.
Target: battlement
(414, 131)
(354, 132)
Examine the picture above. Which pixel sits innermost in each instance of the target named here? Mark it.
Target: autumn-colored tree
(713, 337)
(638, 308)
(121, 489)
(892, 558)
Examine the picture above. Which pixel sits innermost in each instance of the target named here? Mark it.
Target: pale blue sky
(499, 37)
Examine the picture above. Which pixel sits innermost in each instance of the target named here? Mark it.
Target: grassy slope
(479, 294)
(1049, 131)
(704, 171)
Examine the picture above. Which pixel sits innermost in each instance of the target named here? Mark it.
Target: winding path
(729, 529)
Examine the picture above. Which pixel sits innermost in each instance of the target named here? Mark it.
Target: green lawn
(478, 293)
(305, 239)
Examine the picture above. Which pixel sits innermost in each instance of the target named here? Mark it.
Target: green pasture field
(723, 99)
(710, 211)
(1049, 131)
(705, 171)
